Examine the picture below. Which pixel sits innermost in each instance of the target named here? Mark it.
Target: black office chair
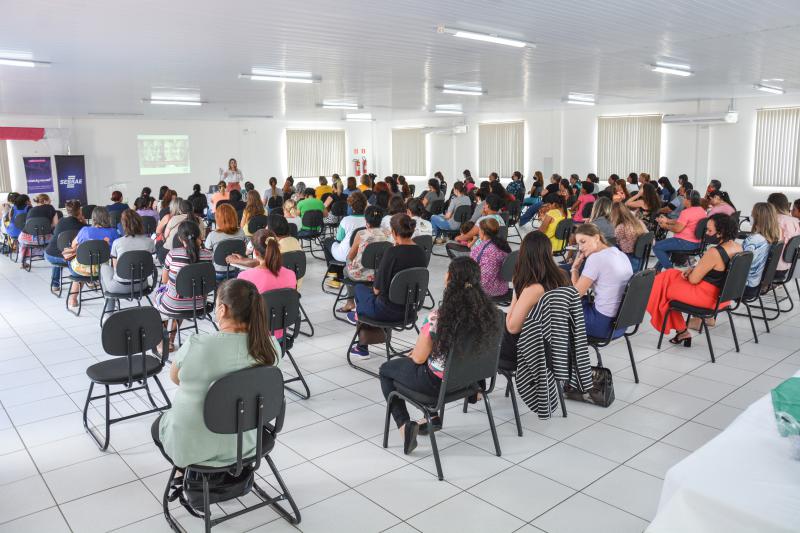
(514, 210)
(130, 333)
(283, 313)
(370, 259)
(564, 230)
(732, 291)
(337, 267)
(507, 275)
(150, 224)
(469, 362)
(256, 223)
(629, 315)
(791, 254)
(436, 207)
(338, 209)
(275, 202)
(296, 262)
(426, 243)
(241, 402)
(764, 287)
(307, 238)
(39, 228)
(87, 211)
(19, 222)
(461, 214)
(115, 216)
(195, 281)
(92, 254)
(222, 250)
(407, 288)
(642, 248)
(64, 240)
(138, 271)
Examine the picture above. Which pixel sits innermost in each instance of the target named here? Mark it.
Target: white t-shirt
(347, 226)
(423, 227)
(232, 176)
(610, 269)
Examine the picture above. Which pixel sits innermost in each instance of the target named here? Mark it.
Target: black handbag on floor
(602, 391)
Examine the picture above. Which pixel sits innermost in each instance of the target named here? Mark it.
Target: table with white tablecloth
(743, 480)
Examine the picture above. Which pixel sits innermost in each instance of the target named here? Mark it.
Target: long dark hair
(664, 182)
(650, 197)
(724, 195)
(247, 307)
(464, 305)
(189, 237)
(491, 228)
(435, 185)
(536, 265)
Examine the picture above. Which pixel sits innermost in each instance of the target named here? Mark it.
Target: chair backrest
(736, 279)
(502, 232)
(436, 207)
(412, 188)
(773, 258)
(462, 213)
(426, 243)
(242, 401)
(256, 223)
(135, 265)
(275, 202)
(313, 219)
(408, 288)
(373, 254)
(87, 211)
(791, 253)
(296, 262)
(93, 253)
(196, 280)
(564, 229)
(37, 226)
(504, 215)
(19, 220)
(472, 358)
(513, 209)
(642, 247)
(339, 208)
(176, 242)
(65, 239)
(282, 308)
(700, 230)
(508, 266)
(227, 247)
(368, 193)
(132, 330)
(586, 212)
(115, 216)
(149, 224)
(634, 299)
(293, 229)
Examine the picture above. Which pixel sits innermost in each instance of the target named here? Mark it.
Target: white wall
(560, 140)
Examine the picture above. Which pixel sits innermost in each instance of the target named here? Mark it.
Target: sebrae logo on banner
(70, 181)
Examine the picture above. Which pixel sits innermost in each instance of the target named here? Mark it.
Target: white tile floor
(599, 469)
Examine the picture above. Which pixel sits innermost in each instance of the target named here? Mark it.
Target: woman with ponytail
(189, 252)
(464, 305)
(243, 341)
(489, 252)
(720, 202)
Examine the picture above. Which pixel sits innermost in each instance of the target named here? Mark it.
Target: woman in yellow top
(364, 183)
(253, 208)
(554, 213)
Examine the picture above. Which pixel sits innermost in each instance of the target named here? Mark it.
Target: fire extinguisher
(364, 160)
(357, 163)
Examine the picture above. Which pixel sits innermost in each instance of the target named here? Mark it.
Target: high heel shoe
(687, 341)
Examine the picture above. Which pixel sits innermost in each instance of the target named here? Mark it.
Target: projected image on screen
(163, 154)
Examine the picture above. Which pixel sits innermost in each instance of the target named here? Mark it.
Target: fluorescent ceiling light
(579, 102)
(29, 63)
(340, 105)
(258, 74)
(448, 109)
(359, 117)
(463, 89)
(164, 101)
(769, 88)
(484, 37)
(580, 99)
(676, 69)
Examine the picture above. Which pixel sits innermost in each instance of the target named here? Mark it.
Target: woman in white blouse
(233, 176)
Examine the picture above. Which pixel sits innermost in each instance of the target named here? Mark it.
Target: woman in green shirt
(243, 340)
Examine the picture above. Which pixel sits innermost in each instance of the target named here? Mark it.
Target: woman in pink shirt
(684, 229)
(790, 227)
(586, 197)
(720, 202)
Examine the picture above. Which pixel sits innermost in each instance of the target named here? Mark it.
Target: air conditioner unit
(458, 129)
(706, 119)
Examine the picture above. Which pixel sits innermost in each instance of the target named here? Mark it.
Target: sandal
(345, 309)
(423, 426)
(686, 341)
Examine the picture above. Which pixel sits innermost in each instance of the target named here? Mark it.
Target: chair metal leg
(599, 357)
(305, 320)
(286, 495)
(173, 524)
(560, 389)
(514, 406)
(206, 505)
(299, 378)
(633, 361)
(764, 312)
(433, 302)
(708, 339)
(103, 445)
(663, 327)
(491, 423)
(386, 424)
(733, 329)
(752, 323)
(434, 447)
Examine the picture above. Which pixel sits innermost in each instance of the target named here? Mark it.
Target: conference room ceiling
(107, 56)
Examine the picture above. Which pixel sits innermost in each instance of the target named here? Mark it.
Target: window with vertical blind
(312, 153)
(628, 144)
(777, 156)
(408, 151)
(501, 148)
(5, 172)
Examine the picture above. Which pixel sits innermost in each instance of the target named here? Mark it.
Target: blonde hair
(765, 222)
(42, 198)
(590, 230)
(621, 215)
(290, 206)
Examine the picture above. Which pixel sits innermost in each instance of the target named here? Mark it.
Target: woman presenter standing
(233, 176)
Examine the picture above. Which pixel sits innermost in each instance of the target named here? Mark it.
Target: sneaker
(333, 283)
(352, 318)
(359, 352)
(440, 240)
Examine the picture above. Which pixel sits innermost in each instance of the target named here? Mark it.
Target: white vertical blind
(628, 144)
(501, 148)
(5, 173)
(408, 151)
(312, 153)
(777, 157)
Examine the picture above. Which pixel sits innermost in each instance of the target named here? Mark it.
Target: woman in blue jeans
(74, 221)
(684, 229)
(445, 222)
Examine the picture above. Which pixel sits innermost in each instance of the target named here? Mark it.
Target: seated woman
(684, 238)
(243, 341)
(466, 239)
(374, 301)
(601, 217)
(43, 209)
(336, 248)
(21, 206)
(489, 252)
(100, 230)
(74, 221)
(133, 238)
(764, 232)
(352, 186)
(720, 202)
(445, 221)
(116, 203)
(627, 229)
(396, 205)
(416, 211)
(189, 252)
(433, 193)
(354, 270)
(291, 213)
(790, 227)
(646, 202)
(227, 229)
(272, 191)
(551, 215)
(620, 194)
(607, 271)
(142, 205)
(698, 286)
(287, 243)
(585, 198)
(254, 208)
(198, 200)
(463, 302)
(534, 274)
